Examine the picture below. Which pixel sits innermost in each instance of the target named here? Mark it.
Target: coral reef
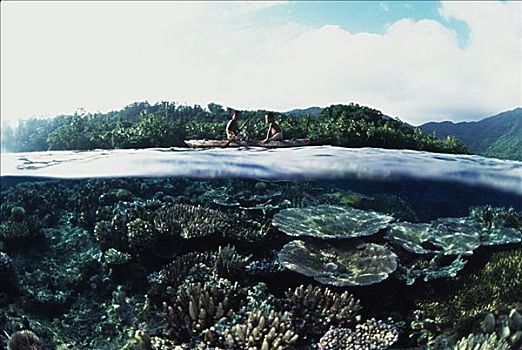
(8, 276)
(372, 334)
(315, 309)
(198, 306)
(224, 261)
(439, 266)
(328, 221)
(191, 221)
(24, 340)
(339, 265)
(261, 331)
(498, 283)
(145, 264)
(481, 342)
(497, 217)
(17, 214)
(15, 234)
(450, 236)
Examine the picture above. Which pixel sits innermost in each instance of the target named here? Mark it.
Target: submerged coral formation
(146, 264)
(372, 334)
(24, 340)
(339, 265)
(315, 309)
(481, 342)
(199, 305)
(498, 283)
(329, 221)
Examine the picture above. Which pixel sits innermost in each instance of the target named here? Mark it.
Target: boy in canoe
(232, 128)
(274, 130)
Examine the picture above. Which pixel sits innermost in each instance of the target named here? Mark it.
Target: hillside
(497, 136)
(142, 125)
(306, 111)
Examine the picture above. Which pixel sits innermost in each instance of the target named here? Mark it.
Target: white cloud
(57, 57)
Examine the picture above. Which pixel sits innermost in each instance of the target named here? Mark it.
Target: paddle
(238, 130)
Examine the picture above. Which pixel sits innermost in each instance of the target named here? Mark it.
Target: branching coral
(315, 309)
(481, 342)
(198, 306)
(224, 261)
(261, 331)
(191, 221)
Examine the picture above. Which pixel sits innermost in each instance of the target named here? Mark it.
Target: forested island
(164, 124)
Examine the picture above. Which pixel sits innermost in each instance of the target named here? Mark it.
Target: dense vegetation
(497, 136)
(167, 124)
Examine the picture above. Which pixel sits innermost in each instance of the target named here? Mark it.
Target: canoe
(270, 144)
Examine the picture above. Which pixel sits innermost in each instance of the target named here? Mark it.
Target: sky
(419, 61)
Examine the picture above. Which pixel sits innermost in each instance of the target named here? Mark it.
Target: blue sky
(419, 61)
(361, 16)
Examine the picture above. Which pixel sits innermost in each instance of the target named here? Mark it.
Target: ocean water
(303, 248)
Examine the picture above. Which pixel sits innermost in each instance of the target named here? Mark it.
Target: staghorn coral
(315, 309)
(339, 265)
(157, 228)
(373, 334)
(260, 330)
(481, 342)
(191, 221)
(329, 221)
(197, 306)
(224, 261)
(498, 283)
(23, 340)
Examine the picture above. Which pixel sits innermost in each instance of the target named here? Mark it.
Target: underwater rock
(339, 265)
(24, 340)
(373, 334)
(315, 309)
(329, 221)
(481, 342)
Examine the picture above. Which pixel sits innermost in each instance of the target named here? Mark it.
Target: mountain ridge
(498, 136)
